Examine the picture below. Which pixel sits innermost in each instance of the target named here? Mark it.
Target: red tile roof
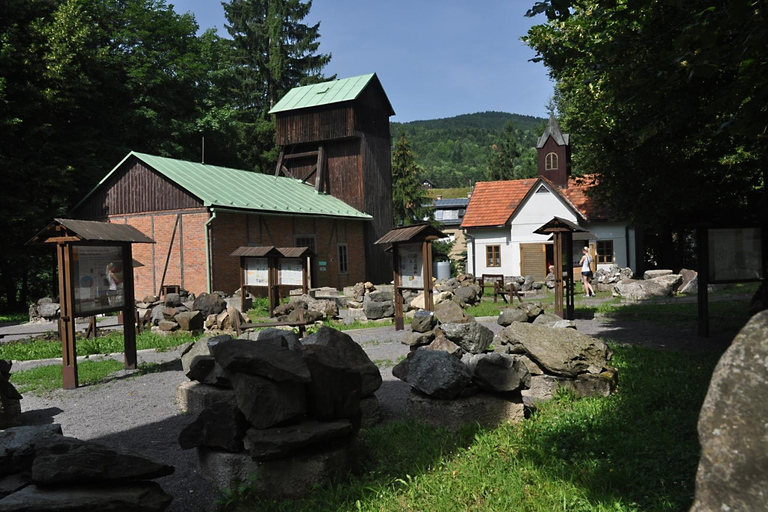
(494, 202)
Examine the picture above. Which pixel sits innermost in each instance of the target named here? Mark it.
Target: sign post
(412, 261)
(95, 277)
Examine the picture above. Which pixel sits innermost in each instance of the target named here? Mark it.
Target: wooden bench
(499, 290)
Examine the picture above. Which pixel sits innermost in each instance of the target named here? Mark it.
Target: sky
(434, 58)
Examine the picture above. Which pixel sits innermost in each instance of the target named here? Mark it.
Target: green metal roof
(223, 187)
(325, 93)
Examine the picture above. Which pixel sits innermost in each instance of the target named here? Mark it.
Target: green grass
(48, 378)
(635, 450)
(14, 317)
(109, 343)
(725, 316)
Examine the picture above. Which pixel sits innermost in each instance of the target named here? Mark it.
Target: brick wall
(186, 263)
(233, 230)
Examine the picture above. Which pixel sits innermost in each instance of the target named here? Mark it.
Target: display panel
(411, 265)
(735, 254)
(98, 278)
(289, 272)
(257, 271)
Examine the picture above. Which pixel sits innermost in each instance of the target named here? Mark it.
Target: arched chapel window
(550, 162)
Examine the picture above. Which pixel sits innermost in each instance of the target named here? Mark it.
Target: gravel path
(139, 413)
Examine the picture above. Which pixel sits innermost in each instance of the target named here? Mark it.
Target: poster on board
(257, 271)
(735, 254)
(98, 274)
(411, 266)
(289, 272)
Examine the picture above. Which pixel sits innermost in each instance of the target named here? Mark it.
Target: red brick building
(332, 192)
(198, 214)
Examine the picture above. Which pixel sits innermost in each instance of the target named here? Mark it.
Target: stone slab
(486, 409)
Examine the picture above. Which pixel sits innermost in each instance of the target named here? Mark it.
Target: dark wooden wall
(135, 188)
(560, 175)
(356, 139)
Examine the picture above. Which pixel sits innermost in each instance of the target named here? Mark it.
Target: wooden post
(272, 285)
(570, 312)
(702, 247)
(558, 274)
(129, 310)
(242, 283)
(426, 258)
(67, 317)
(304, 275)
(398, 296)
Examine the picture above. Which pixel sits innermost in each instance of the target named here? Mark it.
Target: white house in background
(501, 218)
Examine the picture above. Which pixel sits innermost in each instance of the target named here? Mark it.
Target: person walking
(586, 272)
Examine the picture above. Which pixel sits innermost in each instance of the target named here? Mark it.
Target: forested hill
(455, 150)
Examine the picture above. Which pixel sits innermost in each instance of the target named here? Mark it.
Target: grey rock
(423, 321)
(543, 387)
(266, 403)
(641, 290)
(167, 325)
(209, 304)
(133, 496)
(280, 442)
(547, 320)
(472, 337)
(446, 345)
(500, 372)
(269, 360)
(486, 409)
(287, 339)
(190, 320)
(379, 296)
(375, 310)
(66, 460)
(194, 397)
(564, 352)
(198, 362)
(220, 426)
(450, 312)
(17, 446)
(532, 309)
(733, 470)
(653, 274)
(347, 354)
(510, 315)
(417, 339)
(437, 374)
(334, 391)
(467, 294)
(172, 300)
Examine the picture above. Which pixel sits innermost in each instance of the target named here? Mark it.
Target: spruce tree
(273, 51)
(408, 198)
(505, 156)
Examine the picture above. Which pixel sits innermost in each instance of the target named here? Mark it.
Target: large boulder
(198, 363)
(66, 460)
(269, 360)
(423, 321)
(281, 442)
(498, 372)
(17, 446)
(449, 312)
(489, 410)
(646, 289)
(434, 373)
(209, 304)
(563, 352)
(510, 315)
(334, 391)
(220, 426)
(144, 496)
(266, 403)
(733, 432)
(472, 337)
(345, 353)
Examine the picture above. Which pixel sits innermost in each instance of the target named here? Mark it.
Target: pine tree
(273, 51)
(408, 198)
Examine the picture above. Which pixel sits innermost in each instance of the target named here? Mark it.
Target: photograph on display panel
(99, 279)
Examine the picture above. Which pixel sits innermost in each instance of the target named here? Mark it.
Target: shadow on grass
(638, 447)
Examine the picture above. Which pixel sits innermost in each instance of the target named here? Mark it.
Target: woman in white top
(586, 272)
